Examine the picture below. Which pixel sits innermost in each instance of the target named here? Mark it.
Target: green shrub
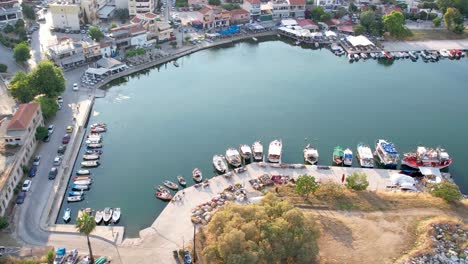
(3, 67)
(3, 222)
(445, 190)
(357, 181)
(305, 185)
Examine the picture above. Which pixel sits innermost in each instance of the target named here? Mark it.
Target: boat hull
(416, 165)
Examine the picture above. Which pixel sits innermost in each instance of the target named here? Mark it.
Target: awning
(430, 171)
(97, 71)
(330, 33)
(359, 41)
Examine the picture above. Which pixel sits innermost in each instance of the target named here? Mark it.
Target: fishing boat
(350, 57)
(257, 149)
(165, 196)
(98, 125)
(75, 193)
(94, 145)
(76, 198)
(60, 255)
(116, 215)
(245, 151)
(338, 155)
(274, 151)
(254, 39)
(83, 182)
(81, 178)
(83, 172)
(98, 129)
(386, 153)
(79, 187)
(67, 215)
(310, 155)
(90, 163)
(348, 157)
(413, 55)
(176, 64)
(98, 217)
(161, 188)
(94, 151)
(181, 180)
(91, 157)
(218, 163)
(92, 135)
(427, 157)
(107, 214)
(72, 257)
(170, 185)
(93, 141)
(297, 42)
(197, 175)
(233, 157)
(364, 156)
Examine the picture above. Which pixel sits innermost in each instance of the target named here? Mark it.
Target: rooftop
(239, 11)
(297, 2)
(23, 116)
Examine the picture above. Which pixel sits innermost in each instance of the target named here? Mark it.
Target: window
(17, 139)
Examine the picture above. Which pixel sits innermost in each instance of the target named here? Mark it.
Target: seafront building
(65, 15)
(131, 35)
(253, 7)
(141, 6)
(67, 53)
(18, 143)
(213, 17)
(156, 27)
(240, 16)
(10, 11)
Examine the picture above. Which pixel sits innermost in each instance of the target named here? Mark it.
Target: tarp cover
(430, 171)
(389, 148)
(399, 179)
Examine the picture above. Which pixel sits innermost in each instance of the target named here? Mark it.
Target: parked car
(46, 139)
(62, 149)
(66, 139)
(37, 160)
(69, 129)
(60, 105)
(20, 198)
(32, 171)
(51, 129)
(75, 87)
(59, 99)
(26, 185)
(57, 161)
(52, 173)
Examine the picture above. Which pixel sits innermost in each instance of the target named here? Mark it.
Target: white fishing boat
(181, 180)
(94, 145)
(275, 150)
(83, 182)
(310, 155)
(386, 153)
(107, 214)
(218, 163)
(90, 163)
(116, 215)
(350, 57)
(364, 155)
(170, 185)
(67, 215)
(347, 157)
(98, 217)
(80, 187)
(93, 141)
(257, 149)
(83, 172)
(233, 157)
(245, 151)
(98, 129)
(427, 157)
(98, 125)
(91, 157)
(197, 175)
(76, 198)
(81, 178)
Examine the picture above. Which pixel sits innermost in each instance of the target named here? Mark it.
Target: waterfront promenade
(461, 44)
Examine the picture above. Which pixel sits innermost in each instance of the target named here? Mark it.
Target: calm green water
(166, 121)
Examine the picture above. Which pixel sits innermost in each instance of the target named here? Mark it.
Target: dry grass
(436, 34)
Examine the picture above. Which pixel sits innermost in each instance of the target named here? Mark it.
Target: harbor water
(166, 121)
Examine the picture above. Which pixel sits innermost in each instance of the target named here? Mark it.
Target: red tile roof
(105, 44)
(346, 28)
(236, 12)
(204, 10)
(297, 2)
(150, 15)
(23, 116)
(135, 20)
(254, 1)
(136, 29)
(305, 22)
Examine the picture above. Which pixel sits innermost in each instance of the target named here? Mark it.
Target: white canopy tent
(330, 33)
(97, 71)
(359, 41)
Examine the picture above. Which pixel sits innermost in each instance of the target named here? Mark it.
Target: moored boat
(98, 217)
(94, 151)
(161, 188)
(257, 149)
(218, 163)
(72, 257)
(83, 182)
(274, 151)
(170, 185)
(67, 215)
(76, 198)
(427, 157)
(197, 175)
(75, 193)
(79, 187)
(310, 155)
(81, 178)
(338, 155)
(83, 172)
(90, 163)
(245, 151)
(364, 155)
(348, 157)
(94, 145)
(165, 196)
(98, 129)
(91, 157)
(116, 215)
(233, 157)
(98, 125)
(386, 153)
(107, 214)
(181, 180)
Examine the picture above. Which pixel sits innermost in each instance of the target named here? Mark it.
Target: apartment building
(253, 7)
(213, 17)
(156, 27)
(10, 11)
(141, 6)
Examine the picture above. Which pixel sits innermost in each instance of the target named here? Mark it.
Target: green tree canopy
(367, 17)
(3, 67)
(306, 185)
(49, 106)
(214, 2)
(272, 231)
(47, 79)
(357, 181)
(20, 88)
(436, 22)
(395, 24)
(341, 12)
(461, 5)
(377, 27)
(359, 30)
(95, 33)
(28, 11)
(21, 52)
(121, 14)
(325, 17)
(352, 7)
(86, 225)
(445, 190)
(41, 132)
(231, 6)
(317, 13)
(454, 20)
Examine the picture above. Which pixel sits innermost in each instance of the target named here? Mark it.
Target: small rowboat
(116, 215)
(161, 188)
(93, 141)
(94, 145)
(83, 182)
(83, 172)
(98, 129)
(77, 198)
(165, 196)
(94, 151)
(81, 178)
(67, 215)
(98, 217)
(98, 125)
(107, 214)
(197, 175)
(94, 135)
(170, 185)
(181, 180)
(91, 157)
(90, 163)
(75, 193)
(80, 187)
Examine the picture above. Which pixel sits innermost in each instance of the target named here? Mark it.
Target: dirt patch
(436, 34)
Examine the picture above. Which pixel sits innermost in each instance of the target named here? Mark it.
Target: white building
(121, 4)
(65, 15)
(10, 12)
(280, 9)
(253, 7)
(141, 6)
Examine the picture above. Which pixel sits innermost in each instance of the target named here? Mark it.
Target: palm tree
(86, 225)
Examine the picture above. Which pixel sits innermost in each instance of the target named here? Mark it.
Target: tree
(21, 52)
(3, 222)
(341, 12)
(445, 190)
(230, 6)
(173, 44)
(47, 79)
(8, 29)
(3, 67)
(113, 25)
(214, 2)
(454, 20)
(367, 17)
(121, 14)
(49, 106)
(20, 88)
(95, 33)
(28, 11)
(86, 225)
(461, 5)
(395, 24)
(317, 13)
(50, 256)
(437, 22)
(41, 132)
(305, 185)
(19, 24)
(352, 8)
(359, 30)
(325, 17)
(357, 181)
(377, 28)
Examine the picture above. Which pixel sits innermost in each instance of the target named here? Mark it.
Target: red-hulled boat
(165, 196)
(387, 55)
(427, 157)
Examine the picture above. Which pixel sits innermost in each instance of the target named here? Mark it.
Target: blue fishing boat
(75, 193)
(386, 153)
